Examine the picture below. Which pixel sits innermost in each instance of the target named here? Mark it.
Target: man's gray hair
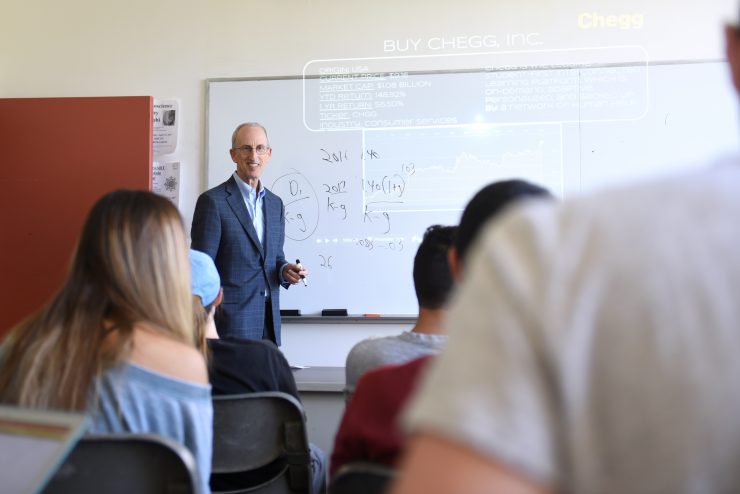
(247, 124)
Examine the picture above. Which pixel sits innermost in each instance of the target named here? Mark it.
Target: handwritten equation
(357, 206)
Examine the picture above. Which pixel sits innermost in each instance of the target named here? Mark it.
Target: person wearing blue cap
(239, 365)
(208, 294)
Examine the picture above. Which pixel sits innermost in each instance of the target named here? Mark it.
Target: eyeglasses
(260, 149)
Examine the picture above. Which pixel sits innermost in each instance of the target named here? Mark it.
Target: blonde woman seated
(117, 339)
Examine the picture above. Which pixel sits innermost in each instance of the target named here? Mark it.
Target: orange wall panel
(58, 156)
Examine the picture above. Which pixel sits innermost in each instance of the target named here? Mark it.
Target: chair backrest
(361, 477)
(252, 430)
(141, 463)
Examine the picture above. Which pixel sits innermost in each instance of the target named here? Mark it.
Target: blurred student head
(487, 203)
(432, 277)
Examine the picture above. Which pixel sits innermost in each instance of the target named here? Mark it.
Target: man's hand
(292, 273)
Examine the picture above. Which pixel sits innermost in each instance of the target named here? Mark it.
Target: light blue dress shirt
(255, 205)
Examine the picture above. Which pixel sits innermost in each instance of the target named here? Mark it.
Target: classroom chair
(126, 463)
(254, 431)
(361, 477)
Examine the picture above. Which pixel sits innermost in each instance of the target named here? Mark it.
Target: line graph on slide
(456, 163)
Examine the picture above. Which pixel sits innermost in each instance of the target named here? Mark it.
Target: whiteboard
(365, 160)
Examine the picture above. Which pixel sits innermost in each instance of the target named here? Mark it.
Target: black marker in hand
(305, 280)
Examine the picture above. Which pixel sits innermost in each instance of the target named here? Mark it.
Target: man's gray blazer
(222, 228)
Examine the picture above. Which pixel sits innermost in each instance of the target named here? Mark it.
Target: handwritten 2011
(340, 156)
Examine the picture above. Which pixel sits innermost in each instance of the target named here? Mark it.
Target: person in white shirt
(593, 347)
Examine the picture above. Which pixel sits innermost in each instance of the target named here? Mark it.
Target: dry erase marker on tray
(305, 280)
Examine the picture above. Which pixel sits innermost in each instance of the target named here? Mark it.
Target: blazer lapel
(270, 205)
(235, 199)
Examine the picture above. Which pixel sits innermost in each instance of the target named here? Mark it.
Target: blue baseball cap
(206, 282)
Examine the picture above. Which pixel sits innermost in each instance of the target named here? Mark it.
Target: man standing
(241, 225)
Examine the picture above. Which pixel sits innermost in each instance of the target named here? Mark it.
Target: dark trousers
(268, 332)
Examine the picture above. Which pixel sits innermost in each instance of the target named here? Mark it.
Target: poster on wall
(166, 180)
(166, 122)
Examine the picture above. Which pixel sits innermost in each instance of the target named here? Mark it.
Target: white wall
(328, 344)
(168, 48)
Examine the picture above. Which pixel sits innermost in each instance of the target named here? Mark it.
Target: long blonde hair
(130, 267)
(200, 320)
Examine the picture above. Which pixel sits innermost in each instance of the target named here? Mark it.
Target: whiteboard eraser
(334, 312)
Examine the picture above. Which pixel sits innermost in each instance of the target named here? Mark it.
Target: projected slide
(432, 169)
